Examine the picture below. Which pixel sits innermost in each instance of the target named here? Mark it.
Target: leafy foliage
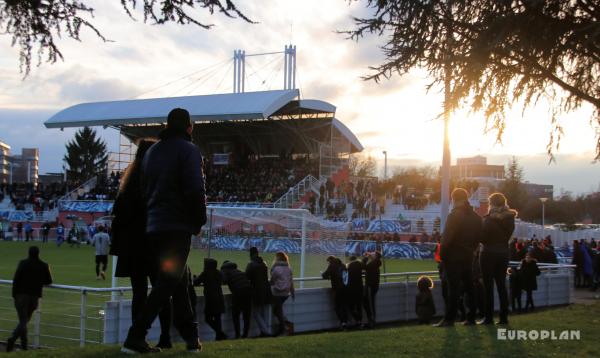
(38, 23)
(86, 156)
(361, 166)
(500, 52)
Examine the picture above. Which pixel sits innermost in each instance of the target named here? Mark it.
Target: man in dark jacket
(355, 289)
(31, 275)
(174, 192)
(241, 296)
(372, 264)
(461, 236)
(334, 273)
(258, 274)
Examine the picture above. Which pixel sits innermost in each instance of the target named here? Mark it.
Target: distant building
(4, 163)
(22, 168)
(475, 168)
(539, 190)
(51, 178)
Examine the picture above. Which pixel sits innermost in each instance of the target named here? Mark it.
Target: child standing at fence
(529, 272)
(214, 303)
(424, 305)
(514, 282)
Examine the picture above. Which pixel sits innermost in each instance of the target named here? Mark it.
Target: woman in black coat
(528, 273)
(128, 241)
(214, 302)
(498, 227)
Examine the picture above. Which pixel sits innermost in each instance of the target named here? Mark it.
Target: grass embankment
(404, 341)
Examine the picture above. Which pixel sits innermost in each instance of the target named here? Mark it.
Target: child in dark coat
(214, 302)
(514, 282)
(528, 272)
(424, 306)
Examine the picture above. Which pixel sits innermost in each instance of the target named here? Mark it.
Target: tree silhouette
(501, 52)
(37, 23)
(512, 187)
(86, 156)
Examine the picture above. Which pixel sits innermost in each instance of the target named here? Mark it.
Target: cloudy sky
(397, 115)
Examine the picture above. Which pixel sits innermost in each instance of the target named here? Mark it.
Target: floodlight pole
(385, 165)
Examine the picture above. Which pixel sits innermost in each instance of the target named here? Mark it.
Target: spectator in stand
(101, 241)
(355, 289)
(241, 296)
(45, 231)
(528, 272)
(129, 242)
(28, 231)
(31, 275)
(371, 264)
(424, 238)
(335, 272)
(258, 274)
(462, 233)
(19, 231)
(424, 305)
(282, 287)
(214, 302)
(498, 227)
(514, 281)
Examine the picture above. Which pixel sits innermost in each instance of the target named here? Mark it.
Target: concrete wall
(313, 308)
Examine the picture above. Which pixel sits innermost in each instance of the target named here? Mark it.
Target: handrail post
(37, 319)
(82, 318)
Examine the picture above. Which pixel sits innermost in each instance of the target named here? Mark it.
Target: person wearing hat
(174, 193)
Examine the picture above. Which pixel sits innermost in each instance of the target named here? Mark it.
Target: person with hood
(528, 273)
(175, 204)
(335, 272)
(371, 264)
(241, 296)
(31, 276)
(461, 236)
(129, 242)
(282, 287)
(214, 302)
(498, 227)
(258, 274)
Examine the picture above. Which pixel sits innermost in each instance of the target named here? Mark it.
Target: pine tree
(86, 156)
(512, 187)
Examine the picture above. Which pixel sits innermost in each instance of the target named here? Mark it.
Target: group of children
(521, 278)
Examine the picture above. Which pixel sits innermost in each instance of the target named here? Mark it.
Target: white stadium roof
(205, 108)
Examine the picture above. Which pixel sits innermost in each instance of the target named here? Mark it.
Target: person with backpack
(282, 287)
(335, 272)
(214, 302)
(31, 276)
(258, 274)
(355, 289)
(241, 296)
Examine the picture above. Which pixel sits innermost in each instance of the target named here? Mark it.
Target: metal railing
(295, 193)
(86, 187)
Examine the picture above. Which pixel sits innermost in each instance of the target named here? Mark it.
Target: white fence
(72, 315)
(559, 237)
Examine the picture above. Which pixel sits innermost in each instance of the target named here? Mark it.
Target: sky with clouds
(396, 115)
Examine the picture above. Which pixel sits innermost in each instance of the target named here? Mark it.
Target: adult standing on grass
(28, 231)
(258, 274)
(174, 192)
(282, 287)
(45, 231)
(60, 234)
(335, 272)
(355, 289)
(101, 241)
(31, 275)
(129, 243)
(498, 226)
(459, 240)
(372, 264)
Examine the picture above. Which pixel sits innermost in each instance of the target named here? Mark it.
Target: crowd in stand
(258, 180)
(40, 197)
